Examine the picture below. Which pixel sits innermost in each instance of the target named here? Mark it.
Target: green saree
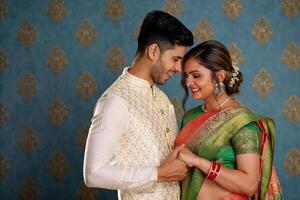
(206, 134)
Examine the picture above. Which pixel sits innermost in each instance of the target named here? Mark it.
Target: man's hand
(172, 169)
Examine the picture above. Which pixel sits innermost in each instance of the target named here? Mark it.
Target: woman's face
(198, 79)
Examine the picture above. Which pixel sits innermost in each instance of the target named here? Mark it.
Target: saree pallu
(205, 134)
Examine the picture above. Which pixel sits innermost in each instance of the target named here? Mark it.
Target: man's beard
(156, 72)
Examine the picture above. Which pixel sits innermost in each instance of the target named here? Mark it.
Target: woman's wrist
(203, 164)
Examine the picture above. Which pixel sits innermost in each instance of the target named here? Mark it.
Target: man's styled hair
(163, 29)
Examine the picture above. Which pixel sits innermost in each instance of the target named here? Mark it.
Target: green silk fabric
(246, 140)
(238, 134)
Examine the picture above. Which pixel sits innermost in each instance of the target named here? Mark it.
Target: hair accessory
(235, 73)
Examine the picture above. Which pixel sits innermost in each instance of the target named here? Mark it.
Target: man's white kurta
(132, 132)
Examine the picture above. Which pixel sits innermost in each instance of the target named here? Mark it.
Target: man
(130, 141)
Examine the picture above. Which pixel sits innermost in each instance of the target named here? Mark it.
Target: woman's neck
(214, 102)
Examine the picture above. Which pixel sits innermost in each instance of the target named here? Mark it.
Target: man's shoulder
(112, 89)
(162, 93)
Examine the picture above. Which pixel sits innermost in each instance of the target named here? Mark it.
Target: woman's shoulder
(190, 114)
(191, 111)
(241, 108)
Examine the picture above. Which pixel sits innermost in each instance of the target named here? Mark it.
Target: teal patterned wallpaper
(58, 56)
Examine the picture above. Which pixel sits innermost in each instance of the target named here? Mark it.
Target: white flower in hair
(234, 75)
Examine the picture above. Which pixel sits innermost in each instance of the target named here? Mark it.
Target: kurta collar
(134, 79)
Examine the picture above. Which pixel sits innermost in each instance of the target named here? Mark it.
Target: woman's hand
(188, 157)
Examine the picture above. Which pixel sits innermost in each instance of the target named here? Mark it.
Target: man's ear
(221, 75)
(153, 52)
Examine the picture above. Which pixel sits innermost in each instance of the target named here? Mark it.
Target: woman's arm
(243, 180)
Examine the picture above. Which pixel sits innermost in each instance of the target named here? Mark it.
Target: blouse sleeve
(247, 139)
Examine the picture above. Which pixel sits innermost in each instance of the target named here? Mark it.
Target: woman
(224, 140)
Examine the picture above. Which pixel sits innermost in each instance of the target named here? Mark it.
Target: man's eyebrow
(178, 57)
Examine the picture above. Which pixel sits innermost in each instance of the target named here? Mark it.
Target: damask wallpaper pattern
(58, 56)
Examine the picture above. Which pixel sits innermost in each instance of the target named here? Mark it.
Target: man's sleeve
(110, 121)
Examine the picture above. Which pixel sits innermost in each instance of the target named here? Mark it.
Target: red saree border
(192, 128)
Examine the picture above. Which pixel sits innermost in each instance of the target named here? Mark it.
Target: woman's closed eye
(196, 75)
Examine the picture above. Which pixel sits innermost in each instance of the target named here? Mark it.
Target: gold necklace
(219, 106)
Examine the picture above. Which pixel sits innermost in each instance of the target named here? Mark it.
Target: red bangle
(214, 171)
(212, 168)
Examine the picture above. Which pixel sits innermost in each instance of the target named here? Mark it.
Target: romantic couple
(223, 149)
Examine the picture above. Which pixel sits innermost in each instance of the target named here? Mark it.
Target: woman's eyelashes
(196, 75)
(193, 76)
